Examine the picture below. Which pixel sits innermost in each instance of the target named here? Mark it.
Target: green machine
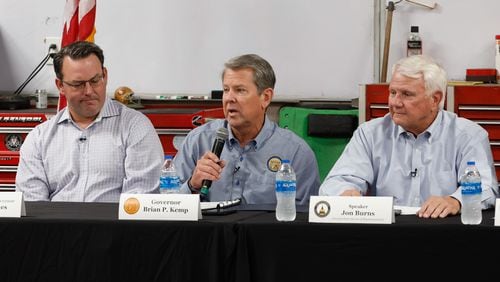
(327, 131)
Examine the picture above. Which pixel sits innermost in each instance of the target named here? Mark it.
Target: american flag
(79, 25)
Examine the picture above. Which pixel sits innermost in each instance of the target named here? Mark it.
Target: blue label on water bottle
(286, 186)
(169, 182)
(471, 188)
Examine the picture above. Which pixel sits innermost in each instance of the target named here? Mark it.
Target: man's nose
(230, 95)
(87, 87)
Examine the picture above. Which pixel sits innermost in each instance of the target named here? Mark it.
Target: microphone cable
(37, 69)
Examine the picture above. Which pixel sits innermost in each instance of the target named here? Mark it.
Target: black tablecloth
(87, 242)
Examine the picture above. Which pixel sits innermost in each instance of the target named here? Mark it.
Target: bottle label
(414, 47)
(286, 186)
(169, 182)
(471, 188)
(414, 44)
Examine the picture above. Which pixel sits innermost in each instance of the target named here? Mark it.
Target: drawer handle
(379, 106)
(162, 131)
(16, 129)
(487, 122)
(8, 168)
(7, 187)
(478, 108)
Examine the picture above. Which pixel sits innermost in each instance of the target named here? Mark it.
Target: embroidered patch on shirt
(274, 163)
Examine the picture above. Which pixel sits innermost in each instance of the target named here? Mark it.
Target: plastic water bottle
(470, 184)
(286, 188)
(169, 180)
(414, 42)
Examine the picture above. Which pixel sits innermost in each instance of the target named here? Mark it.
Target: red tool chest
(171, 121)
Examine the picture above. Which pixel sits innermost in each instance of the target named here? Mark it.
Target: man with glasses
(255, 146)
(94, 149)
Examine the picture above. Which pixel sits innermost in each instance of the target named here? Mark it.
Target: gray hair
(76, 50)
(263, 74)
(435, 78)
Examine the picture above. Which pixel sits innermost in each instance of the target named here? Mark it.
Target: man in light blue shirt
(418, 151)
(255, 147)
(94, 149)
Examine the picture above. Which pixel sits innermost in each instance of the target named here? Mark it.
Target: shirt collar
(433, 129)
(109, 109)
(265, 133)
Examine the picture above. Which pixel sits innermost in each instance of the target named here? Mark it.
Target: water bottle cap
(168, 157)
(471, 163)
(285, 161)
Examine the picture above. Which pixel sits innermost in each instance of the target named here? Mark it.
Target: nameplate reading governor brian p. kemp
(339, 209)
(159, 207)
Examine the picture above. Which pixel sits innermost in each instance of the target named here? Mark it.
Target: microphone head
(222, 133)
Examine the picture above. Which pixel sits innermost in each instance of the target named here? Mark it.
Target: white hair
(418, 66)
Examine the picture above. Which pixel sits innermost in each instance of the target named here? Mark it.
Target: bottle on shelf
(497, 56)
(286, 187)
(470, 185)
(169, 180)
(414, 42)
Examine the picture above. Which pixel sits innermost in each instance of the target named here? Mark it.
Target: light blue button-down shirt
(381, 156)
(249, 172)
(120, 152)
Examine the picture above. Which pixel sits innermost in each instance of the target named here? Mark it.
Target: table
(87, 242)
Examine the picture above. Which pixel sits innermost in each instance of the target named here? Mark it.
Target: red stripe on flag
(70, 34)
(86, 26)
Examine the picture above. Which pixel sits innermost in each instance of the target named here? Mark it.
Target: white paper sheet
(405, 210)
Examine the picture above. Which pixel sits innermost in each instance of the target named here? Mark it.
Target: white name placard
(497, 212)
(12, 204)
(159, 207)
(340, 209)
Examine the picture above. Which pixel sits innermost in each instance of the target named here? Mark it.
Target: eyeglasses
(80, 85)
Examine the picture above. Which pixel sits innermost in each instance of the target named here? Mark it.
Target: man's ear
(436, 97)
(105, 74)
(266, 97)
(59, 85)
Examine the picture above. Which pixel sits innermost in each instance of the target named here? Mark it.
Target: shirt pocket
(109, 157)
(263, 188)
(444, 183)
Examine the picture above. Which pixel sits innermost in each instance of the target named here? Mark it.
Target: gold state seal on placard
(131, 205)
(322, 209)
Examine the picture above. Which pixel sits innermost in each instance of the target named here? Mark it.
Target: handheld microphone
(220, 138)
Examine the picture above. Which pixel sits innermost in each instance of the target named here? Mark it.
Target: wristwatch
(193, 190)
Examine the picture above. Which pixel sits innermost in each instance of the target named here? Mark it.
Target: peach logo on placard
(131, 205)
